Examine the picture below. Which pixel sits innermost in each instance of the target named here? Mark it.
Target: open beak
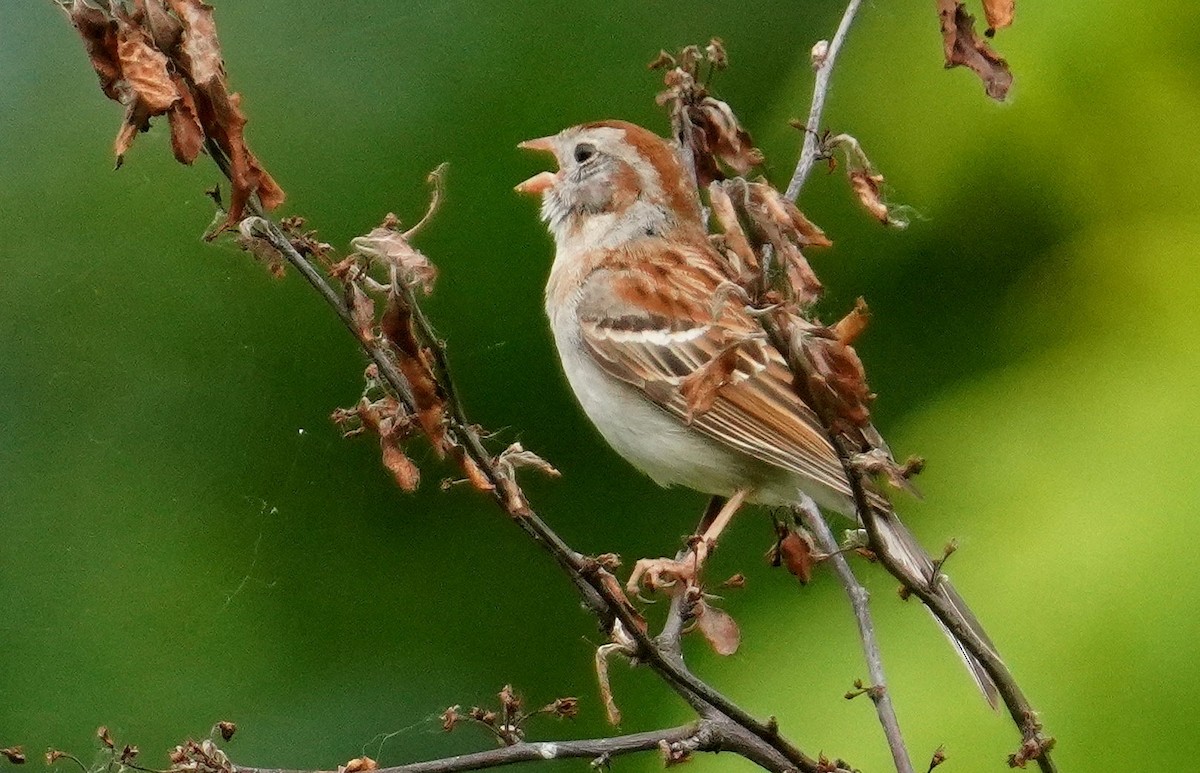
(542, 181)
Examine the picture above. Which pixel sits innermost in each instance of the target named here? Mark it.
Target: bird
(635, 306)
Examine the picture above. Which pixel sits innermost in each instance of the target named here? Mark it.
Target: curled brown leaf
(358, 765)
(866, 187)
(850, 327)
(999, 14)
(390, 247)
(415, 364)
(362, 311)
(964, 47)
(718, 628)
(450, 718)
(701, 386)
(403, 471)
(14, 754)
(836, 378)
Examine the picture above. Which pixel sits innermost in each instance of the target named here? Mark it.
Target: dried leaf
(358, 765)
(837, 381)
(403, 471)
(567, 708)
(850, 327)
(735, 581)
(14, 754)
(99, 32)
(962, 46)
(715, 53)
(450, 718)
(700, 387)
(611, 710)
(789, 217)
(797, 556)
(510, 703)
(200, 51)
(105, 738)
(165, 30)
(362, 311)
(414, 363)
(515, 457)
(187, 135)
(999, 14)
(718, 628)
(145, 87)
(802, 280)
(128, 754)
(735, 236)
(390, 247)
(866, 187)
(724, 137)
(226, 729)
(661, 62)
(144, 70)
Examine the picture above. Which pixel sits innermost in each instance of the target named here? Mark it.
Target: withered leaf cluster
(963, 47)
(764, 238)
(793, 550)
(199, 757)
(385, 271)
(507, 723)
(162, 57)
(717, 140)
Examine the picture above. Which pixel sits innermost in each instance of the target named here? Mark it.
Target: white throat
(576, 235)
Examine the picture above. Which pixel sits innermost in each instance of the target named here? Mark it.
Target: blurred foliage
(186, 538)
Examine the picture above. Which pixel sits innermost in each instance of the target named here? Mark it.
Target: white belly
(644, 434)
(664, 448)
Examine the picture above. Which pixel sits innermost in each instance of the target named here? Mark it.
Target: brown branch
(860, 603)
(679, 741)
(823, 66)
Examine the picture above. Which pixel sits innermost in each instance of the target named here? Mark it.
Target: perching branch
(823, 62)
(877, 690)
(674, 743)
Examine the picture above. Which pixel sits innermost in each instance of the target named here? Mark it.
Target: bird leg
(657, 573)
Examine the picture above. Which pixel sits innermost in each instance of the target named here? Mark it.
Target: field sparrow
(633, 303)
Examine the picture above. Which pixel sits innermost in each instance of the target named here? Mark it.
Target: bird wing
(665, 319)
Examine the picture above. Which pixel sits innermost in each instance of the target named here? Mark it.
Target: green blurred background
(185, 538)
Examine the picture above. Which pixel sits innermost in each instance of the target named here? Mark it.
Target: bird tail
(901, 545)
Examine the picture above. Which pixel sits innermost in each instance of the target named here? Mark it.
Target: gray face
(589, 169)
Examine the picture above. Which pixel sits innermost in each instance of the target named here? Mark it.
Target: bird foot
(667, 573)
(660, 574)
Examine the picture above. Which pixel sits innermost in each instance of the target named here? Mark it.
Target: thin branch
(824, 72)
(860, 602)
(676, 744)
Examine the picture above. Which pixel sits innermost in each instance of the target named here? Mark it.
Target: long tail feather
(903, 546)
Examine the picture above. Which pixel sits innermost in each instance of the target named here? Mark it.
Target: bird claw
(661, 573)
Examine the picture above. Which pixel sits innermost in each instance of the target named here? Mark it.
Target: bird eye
(584, 151)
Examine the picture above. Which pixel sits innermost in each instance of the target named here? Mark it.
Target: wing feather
(655, 334)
